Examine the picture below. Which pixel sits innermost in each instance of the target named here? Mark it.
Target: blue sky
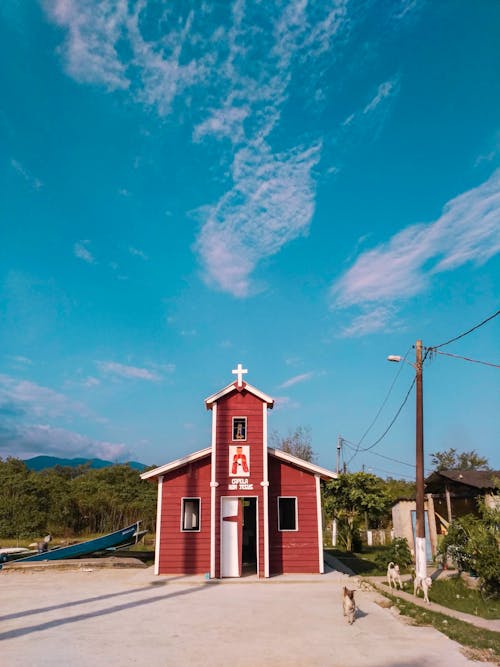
(304, 187)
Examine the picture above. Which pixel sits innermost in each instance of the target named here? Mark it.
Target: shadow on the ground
(20, 632)
(98, 598)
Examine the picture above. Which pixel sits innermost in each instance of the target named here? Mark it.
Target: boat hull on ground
(121, 537)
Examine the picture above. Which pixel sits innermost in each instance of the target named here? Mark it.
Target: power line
(365, 449)
(383, 456)
(466, 333)
(389, 472)
(357, 446)
(475, 361)
(388, 458)
(385, 399)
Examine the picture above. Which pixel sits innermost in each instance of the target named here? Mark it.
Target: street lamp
(420, 555)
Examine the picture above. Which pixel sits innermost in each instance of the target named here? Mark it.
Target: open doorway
(249, 537)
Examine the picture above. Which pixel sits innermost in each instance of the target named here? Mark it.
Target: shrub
(398, 552)
(472, 544)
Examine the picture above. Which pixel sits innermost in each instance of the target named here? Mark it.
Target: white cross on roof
(239, 371)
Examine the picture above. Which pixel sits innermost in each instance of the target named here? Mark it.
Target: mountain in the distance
(42, 462)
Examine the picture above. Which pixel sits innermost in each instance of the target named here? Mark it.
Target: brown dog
(349, 605)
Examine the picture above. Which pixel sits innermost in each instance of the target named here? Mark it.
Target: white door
(230, 565)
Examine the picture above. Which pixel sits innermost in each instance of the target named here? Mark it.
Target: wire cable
(366, 449)
(390, 472)
(475, 361)
(385, 399)
(466, 333)
(357, 446)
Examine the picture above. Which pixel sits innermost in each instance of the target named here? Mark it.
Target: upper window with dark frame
(190, 514)
(239, 428)
(287, 513)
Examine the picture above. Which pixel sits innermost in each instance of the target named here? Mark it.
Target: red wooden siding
(293, 551)
(185, 552)
(240, 404)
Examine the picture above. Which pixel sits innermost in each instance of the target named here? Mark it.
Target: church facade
(239, 507)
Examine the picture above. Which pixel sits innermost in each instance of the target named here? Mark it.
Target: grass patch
(485, 641)
(454, 593)
(372, 561)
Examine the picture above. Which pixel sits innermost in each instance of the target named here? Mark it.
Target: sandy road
(98, 617)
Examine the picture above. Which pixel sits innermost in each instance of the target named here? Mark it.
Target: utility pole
(339, 445)
(420, 551)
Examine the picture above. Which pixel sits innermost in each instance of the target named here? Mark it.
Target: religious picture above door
(239, 461)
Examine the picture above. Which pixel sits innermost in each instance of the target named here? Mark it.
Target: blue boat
(120, 538)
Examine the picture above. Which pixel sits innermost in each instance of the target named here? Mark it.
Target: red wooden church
(239, 506)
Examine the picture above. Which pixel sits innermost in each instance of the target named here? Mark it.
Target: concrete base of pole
(420, 557)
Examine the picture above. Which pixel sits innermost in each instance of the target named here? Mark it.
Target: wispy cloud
(23, 396)
(81, 250)
(93, 32)
(303, 377)
(127, 372)
(468, 231)
(385, 90)
(270, 204)
(371, 321)
(232, 70)
(285, 403)
(138, 253)
(19, 359)
(375, 112)
(25, 441)
(25, 410)
(32, 181)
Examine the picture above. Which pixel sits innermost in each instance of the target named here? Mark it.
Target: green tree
(297, 442)
(349, 497)
(23, 506)
(399, 488)
(450, 459)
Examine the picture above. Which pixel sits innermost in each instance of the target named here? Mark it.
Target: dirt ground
(100, 617)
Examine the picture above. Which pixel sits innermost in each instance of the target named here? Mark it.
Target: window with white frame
(287, 513)
(239, 428)
(190, 514)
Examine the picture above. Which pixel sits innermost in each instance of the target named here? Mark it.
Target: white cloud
(32, 181)
(303, 377)
(385, 90)
(81, 251)
(285, 403)
(231, 76)
(93, 32)
(128, 372)
(18, 359)
(373, 320)
(271, 203)
(25, 397)
(25, 441)
(91, 381)
(468, 231)
(138, 253)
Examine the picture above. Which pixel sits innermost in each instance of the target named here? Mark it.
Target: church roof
(277, 453)
(178, 463)
(209, 402)
(300, 463)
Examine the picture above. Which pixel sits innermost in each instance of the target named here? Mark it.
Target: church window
(190, 517)
(239, 428)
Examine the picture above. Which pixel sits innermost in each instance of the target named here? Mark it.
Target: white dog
(393, 576)
(349, 605)
(423, 583)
